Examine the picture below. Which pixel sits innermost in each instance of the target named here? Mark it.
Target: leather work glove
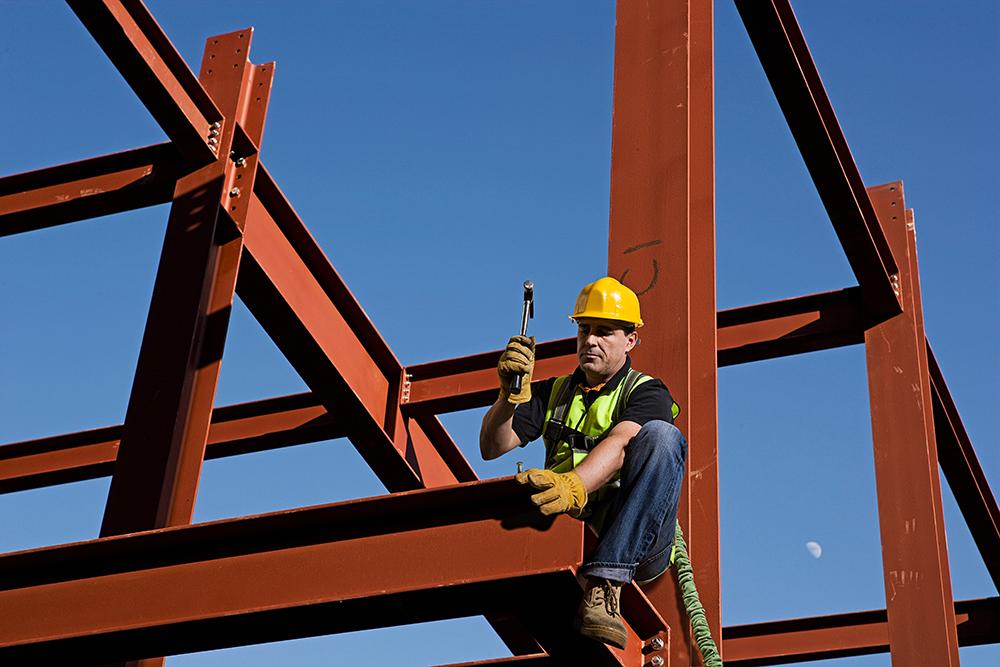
(559, 491)
(517, 359)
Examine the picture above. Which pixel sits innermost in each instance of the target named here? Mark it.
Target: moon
(815, 549)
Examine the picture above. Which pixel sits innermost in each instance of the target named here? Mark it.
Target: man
(612, 455)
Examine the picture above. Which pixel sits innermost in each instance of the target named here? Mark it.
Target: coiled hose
(699, 624)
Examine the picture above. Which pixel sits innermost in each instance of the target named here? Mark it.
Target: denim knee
(662, 439)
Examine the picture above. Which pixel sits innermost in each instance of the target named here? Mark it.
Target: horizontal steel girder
(403, 558)
(843, 635)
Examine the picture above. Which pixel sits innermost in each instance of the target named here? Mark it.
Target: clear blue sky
(420, 142)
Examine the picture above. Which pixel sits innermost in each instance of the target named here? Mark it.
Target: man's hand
(517, 359)
(559, 492)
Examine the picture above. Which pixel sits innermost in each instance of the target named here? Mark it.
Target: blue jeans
(638, 531)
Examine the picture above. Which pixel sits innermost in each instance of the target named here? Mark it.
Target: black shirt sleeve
(649, 400)
(529, 418)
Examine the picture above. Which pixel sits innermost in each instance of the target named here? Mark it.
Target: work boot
(598, 616)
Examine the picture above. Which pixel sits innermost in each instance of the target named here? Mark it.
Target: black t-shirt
(648, 401)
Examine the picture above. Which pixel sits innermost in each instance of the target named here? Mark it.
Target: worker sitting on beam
(613, 457)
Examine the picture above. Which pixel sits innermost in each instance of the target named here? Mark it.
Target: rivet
(235, 192)
(656, 643)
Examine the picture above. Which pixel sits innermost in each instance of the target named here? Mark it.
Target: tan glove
(517, 359)
(560, 491)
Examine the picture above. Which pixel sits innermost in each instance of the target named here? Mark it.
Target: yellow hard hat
(608, 299)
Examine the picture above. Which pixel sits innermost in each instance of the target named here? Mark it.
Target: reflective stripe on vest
(595, 422)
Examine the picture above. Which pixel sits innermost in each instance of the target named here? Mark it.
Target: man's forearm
(606, 459)
(497, 437)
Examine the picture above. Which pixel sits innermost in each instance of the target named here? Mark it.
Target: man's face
(601, 346)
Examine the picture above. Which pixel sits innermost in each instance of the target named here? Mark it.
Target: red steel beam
(921, 614)
(844, 635)
(789, 67)
(662, 244)
(746, 334)
(89, 188)
(270, 577)
(295, 293)
(163, 442)
(964, 474)
(140, 50)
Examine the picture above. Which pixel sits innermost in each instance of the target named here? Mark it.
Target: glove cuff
(578, 493)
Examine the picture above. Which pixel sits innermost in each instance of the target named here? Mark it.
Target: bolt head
(657, 661)
(235, 192)
(656, 643)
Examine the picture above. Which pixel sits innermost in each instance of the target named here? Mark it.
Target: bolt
(241, 162)
(213, 133)
(235, 192)
(217, 124)
(657, 643)
(657, 661)
(520, 466)
(213, 141)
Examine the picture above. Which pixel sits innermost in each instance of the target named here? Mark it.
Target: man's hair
(628, 327)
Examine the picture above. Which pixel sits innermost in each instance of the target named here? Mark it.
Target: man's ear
(633, 339)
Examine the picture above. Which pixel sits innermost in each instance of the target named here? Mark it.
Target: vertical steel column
(662, 244)
(166, 426)
(914, 550)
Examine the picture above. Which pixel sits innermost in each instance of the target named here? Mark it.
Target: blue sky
(430, 147)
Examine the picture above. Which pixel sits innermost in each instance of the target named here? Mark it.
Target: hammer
(527, 312)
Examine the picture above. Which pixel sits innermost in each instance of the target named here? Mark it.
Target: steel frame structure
(127, 595)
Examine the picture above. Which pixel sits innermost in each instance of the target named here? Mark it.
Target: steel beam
(89, 188)
(159, 460)
(468, 550)
(844, 635)
(140, 50)
(918, 595)
(752, 333)
(789, 67)
(965, 476)
(662, 244)
(299, 299)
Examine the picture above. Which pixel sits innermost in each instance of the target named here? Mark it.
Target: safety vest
(572, 429)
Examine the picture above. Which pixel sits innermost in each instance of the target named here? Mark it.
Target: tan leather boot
(598, 616)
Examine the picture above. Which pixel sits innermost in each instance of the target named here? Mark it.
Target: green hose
(699, 625)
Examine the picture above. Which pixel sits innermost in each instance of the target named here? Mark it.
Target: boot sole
(601, 633)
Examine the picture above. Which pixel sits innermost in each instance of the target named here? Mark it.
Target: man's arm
(497, 437)
(607, 457)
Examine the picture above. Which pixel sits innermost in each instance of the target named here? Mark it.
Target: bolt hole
(239, 176)
(237, 65)
(238, 50)
(213, 57)
(233, 208)
(209, 71)
(215, 42)
(258, 99)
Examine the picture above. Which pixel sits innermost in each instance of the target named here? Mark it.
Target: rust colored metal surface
(844, 635)
(143, 54)
(911, 518)
(965, 476)
(662, 245)
(471, 547)
(163, 441)
(790, 69)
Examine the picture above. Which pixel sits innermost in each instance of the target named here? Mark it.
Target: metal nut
(657, 661)
(656, 643)
(213, 141)
(241, 162)
(235, 192)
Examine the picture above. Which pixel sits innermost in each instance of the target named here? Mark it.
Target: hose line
(699, 624)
